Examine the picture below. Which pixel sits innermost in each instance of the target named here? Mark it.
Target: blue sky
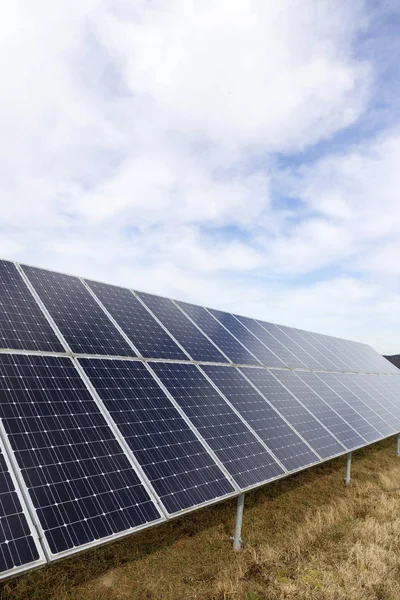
(240, 154)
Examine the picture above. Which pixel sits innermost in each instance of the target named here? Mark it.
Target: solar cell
(183, 330)
(284, 442)
(306, 342)
(340, 352)
(354, 384)
(281, 334)
(243, 456)
(321, 342)
(392, 385)
(287, 357)
(320, 440)
(19, 549)
(377, 363)
(246, 337)
(150, 339)
(219, 335)
(387, 385)
(329, 417)
(376, 386)
(336, 382)
(84, 325)
(23, 325)
(335, 401)
(81, 483)
(178, 466)
(352, 350)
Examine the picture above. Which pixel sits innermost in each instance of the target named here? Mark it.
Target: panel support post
(398, 445)
(237, 539)
(348, 469)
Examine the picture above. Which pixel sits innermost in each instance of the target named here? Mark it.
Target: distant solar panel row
(105, 444)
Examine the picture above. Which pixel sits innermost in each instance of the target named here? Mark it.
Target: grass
(305, 537)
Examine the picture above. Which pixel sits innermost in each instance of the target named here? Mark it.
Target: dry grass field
(305, 537)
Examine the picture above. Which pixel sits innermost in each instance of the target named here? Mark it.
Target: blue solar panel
(23, 325)
(392, 386)
(351, 381)
(332, 420)
(80, 482)
(106, 445)
(375, 385)
(219, 335)
(345, 409)
(151, 340)
(282, 439)
(376, 363)
(281, 334)
(322, 343)
(183, 330)
(320, 440)
(244, 457)
(178, 466)
(18, 547)
(288, 359)
(84, 325)
(337, 383)
(318, 359)
(244, 335)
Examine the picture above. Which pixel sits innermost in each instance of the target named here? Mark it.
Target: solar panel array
(121, 409)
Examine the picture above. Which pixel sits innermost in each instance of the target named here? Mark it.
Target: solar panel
(351, 381)
(280, 333)
(133, 432)
(243, 456)
(23, 325)
(176, 463)
(279, 436)
(345, 409)
(352, 350)
(392, 385)
(246, 337)
(320, 440)
(183, 330)
(378, 363)
(388, 386)
(19, 548)
(326, 415)
(340, 352)
(288, 358)
(376, 386)
(233, 349)
(84, 325)
(82, 485)
(321, 342)
(337, 383)
(150, 339)
(318, 359)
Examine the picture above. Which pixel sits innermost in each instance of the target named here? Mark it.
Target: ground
(305, 537)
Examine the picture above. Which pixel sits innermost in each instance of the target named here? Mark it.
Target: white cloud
(141, 143)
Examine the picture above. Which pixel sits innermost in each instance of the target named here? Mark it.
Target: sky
(240, 154)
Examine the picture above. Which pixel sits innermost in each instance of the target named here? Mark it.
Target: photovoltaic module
(121, 409)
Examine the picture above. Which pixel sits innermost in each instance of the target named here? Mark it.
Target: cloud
(163, 145)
